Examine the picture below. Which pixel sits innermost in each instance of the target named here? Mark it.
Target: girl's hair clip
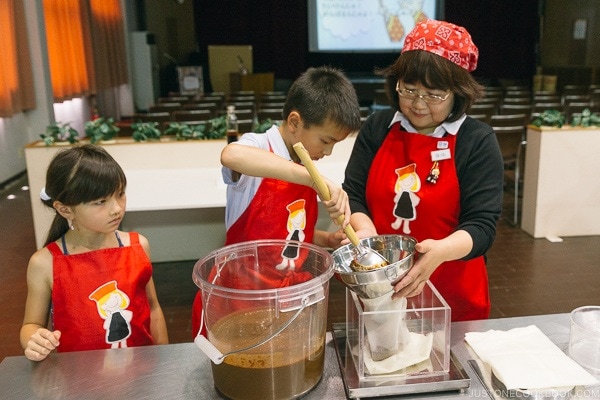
(43, 195)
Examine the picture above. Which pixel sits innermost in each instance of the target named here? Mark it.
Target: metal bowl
(399, 250)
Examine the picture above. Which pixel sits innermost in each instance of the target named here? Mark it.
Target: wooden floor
(527, 276)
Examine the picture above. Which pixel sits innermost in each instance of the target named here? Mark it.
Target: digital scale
(415, 331)
(455, 379)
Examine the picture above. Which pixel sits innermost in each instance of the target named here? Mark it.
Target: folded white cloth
(525, 358)
(417, 352)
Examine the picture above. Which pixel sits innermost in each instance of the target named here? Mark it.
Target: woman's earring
(71, 227)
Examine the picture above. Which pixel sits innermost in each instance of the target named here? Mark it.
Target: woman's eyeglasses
(412, 95)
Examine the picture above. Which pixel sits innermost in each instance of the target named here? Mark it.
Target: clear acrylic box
(423, 330)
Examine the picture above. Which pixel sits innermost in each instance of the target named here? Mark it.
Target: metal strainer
(398, 249)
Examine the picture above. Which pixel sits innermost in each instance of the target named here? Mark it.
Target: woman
(428, 170)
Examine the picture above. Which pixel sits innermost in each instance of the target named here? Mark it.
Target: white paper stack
(525, 358)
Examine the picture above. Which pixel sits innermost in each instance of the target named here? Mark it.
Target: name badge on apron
(439, 155)
(436, 156)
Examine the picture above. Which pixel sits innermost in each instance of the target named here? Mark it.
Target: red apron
(402, 201)
(278, 210)
(99, 298)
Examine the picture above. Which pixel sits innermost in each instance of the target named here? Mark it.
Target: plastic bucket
(265, 302)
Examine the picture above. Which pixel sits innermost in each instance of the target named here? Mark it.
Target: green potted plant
(101, 130)
(144, 131)
(183, 131)
(218, 128)
(549, 118)
(585, 119)
(60, 133)
(262, 127)
(214, 128)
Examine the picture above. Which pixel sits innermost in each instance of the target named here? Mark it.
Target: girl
(72, 281)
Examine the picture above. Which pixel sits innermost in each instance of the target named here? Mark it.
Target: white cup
(584, 339)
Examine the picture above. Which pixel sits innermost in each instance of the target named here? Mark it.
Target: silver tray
(455, 380)
(497, 391)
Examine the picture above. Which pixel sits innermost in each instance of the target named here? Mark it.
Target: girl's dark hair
(433, 72)
(324, 93)
(80, 175)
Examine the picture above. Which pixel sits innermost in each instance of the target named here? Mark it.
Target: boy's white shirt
(241, 193)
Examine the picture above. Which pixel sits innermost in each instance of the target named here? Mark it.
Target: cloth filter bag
(391, 346)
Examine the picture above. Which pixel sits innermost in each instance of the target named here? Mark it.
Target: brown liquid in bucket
(285, 367)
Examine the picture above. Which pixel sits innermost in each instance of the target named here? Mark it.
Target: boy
(269, 193)
(321, 109)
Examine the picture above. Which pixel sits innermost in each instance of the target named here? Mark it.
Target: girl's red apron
(76, 277)
(463, 284)
(267, 217)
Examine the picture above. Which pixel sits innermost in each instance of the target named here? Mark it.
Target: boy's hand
(334, 239)
(338, 203)
(41, 343)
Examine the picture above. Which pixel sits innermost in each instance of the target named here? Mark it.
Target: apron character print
(112, 306)
(295, 226)
(406, 200)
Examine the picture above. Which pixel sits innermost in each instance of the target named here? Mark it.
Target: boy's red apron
(81, 283)
(268, 216)
(463, 284)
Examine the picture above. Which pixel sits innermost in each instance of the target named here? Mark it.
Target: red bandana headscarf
(447, 40)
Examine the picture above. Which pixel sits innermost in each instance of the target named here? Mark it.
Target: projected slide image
(356, 25)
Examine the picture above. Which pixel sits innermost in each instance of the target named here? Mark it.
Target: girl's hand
(41, 343)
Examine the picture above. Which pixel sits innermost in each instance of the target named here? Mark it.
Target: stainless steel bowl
(399, 250)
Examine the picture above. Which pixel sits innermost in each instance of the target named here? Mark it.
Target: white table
(175, 193)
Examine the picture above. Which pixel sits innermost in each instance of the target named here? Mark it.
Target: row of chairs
(126, 129)
(518, 90)
(527, 96)
(195, 110)
(273, 97)
(509, 123)
(488, 109)
(214, 109)
(512, 140)
(202, 115)
(248, 105)
(509, 110)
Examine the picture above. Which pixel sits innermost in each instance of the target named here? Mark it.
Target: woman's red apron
(278, 210)
(399, 196)
(82, 285)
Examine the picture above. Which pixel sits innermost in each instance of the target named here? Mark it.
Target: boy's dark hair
(79, 175)
(433, 72)
(321, 94)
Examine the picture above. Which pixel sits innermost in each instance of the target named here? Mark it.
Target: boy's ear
(64, 210)
(294, 120)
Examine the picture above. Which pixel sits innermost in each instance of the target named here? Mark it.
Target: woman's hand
(430, 256)
(41, 343)
(432, 253)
